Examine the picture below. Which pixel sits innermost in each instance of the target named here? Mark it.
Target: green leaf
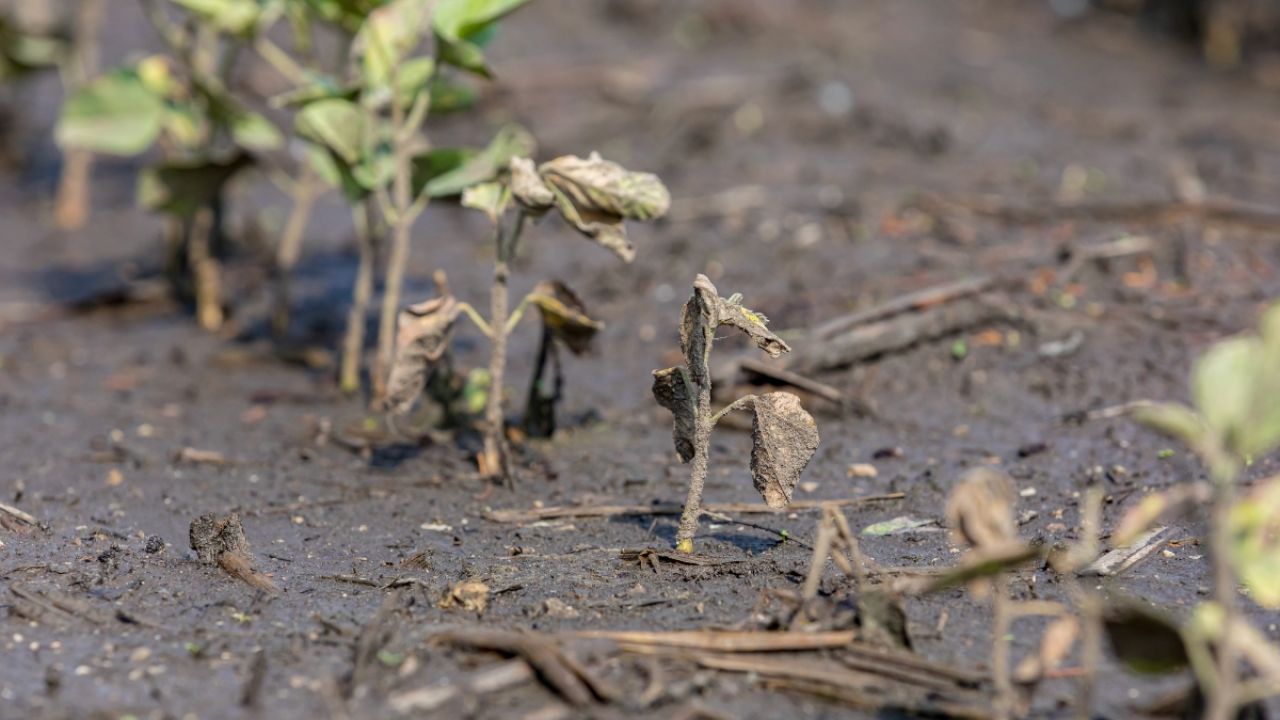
(335, 172)
(317, 87)
(1174, 420)
(447, 97)
(898, 525)
(490, 198)
(1222, 384)
(463, 19)
(1255, 549)
(414, 75)
(465, 55)
(510, 141)
(436, 162)
(335, 124)
(254, 132)
(387, 35)
(237, 17)
(115, 114)
(183, 188)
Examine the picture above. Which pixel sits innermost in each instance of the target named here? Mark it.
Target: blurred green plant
(1233, 419)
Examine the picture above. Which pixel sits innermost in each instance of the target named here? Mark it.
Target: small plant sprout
(1235, 417)
(595, 197)
(784, 434)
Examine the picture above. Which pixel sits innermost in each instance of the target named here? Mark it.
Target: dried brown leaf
(422, 337)
(527, 185)
(673, 391)
(784, 438)
(698, 321)
(599, 185)
(565, 315)
(470, 595)
(755, 325)
(980, 509)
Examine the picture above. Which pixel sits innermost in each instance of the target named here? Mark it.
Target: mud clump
(221, 541)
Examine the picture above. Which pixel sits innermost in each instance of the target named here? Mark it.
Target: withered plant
(595, 197)
(784, 434)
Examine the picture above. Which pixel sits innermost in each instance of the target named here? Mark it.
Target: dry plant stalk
(72, 207)
(784, 435)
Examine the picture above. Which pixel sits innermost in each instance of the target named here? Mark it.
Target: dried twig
(494, 678)
(584, 511)
(725, 641)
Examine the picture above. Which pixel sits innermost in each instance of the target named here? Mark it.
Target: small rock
(557, 608)
(153, 545)
(863, 470)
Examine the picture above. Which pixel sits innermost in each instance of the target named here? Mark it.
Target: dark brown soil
(796, 137)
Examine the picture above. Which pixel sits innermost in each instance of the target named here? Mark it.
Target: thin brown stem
(304, 193)
(497, 457)
(72, 208)
(206, 271)
(1224, 698)
(1000, 624)
(698, 472)
(353, 345)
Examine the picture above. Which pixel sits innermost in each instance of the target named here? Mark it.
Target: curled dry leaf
(980, 509)
(422, 337)
(705, 312)
(673, 391)
(470, 595)
(784, 438)
(527, 186)
(593, 194)
(564, 314)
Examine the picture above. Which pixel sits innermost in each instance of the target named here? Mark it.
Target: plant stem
(1001, 618)
(72, 208)
(1224, 698)
(698, 470)
(353, 345)
(497, 455)
(304, 193)
(205, 271)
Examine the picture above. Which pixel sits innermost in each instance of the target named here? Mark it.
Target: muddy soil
(796, 138)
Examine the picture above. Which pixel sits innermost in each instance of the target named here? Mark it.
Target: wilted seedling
(784, 435)
(595, 196)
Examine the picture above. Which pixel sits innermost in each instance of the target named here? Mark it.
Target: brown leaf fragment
(784, 438)
(565, 315)
(698, 322)
(423, 333)
(755, 325)
(672, 390)
(468, 594)
(980, 509)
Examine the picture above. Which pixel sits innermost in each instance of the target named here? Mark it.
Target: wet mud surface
(798, 140)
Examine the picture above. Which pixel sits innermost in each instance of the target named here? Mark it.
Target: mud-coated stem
(353, 343)
(401, 190)
(304, 196)
(1000, 623)
(698, 475)
(72, 209)
(1224, 696)
(205, 271)
(496, 453)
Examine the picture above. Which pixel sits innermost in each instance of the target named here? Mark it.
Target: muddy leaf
(784, 438)
(490, 198)
(1159, 509)
(1255, 550)
(423, 332)
(1143, 639)
(698, 321)
(755, 325)
(472, 595)
(980, 509)
(564, 314)
(527, 185)
(673, 391)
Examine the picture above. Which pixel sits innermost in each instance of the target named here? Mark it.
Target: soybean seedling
(784, 435)
(595, 197)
